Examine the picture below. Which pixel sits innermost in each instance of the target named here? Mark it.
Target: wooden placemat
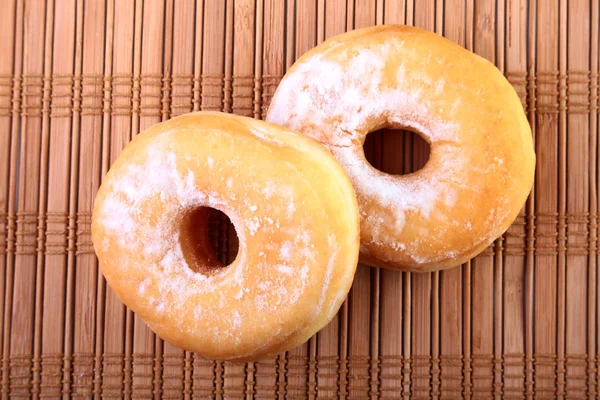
(80, 78)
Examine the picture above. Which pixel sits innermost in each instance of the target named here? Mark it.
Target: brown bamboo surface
(80, 78)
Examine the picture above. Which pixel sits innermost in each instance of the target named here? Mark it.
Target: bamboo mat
(80, 78)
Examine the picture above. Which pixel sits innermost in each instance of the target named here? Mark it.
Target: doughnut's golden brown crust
(482, 162)
(294, 211)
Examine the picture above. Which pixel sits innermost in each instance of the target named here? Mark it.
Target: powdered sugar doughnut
(294, 212)
(482, 162)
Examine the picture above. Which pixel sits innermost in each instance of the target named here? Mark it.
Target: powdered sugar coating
(347, 96)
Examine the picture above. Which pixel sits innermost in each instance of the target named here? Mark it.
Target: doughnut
(293, 209)
(481, 165)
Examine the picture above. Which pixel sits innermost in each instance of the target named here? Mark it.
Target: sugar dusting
(423, 196)
(286, 251)
(345, 97)
(265, 135)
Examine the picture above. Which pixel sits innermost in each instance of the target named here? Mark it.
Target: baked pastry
(482, 162)
(294, 211)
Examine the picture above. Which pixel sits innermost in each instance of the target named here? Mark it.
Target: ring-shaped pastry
(482, 162)
(292, 206)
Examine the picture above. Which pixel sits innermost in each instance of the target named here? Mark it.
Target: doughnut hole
(208, 240)
(396, 151)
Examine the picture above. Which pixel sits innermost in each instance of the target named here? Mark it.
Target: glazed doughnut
(294, 212)
(481, 166)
